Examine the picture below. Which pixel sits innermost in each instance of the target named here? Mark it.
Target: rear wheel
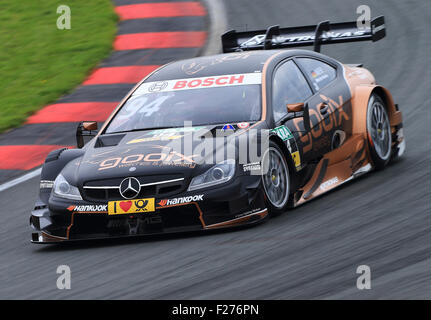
(379, 132)
(275, 179)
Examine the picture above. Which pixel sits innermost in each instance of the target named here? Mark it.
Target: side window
(289, 86)
(320, 73)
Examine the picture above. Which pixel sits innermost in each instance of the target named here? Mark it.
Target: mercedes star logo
(130, 188)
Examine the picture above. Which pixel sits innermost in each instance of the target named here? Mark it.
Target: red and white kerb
(199, 83)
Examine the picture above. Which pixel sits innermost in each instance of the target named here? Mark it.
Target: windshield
(202, 106)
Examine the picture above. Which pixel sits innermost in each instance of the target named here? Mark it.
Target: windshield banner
(199, 83)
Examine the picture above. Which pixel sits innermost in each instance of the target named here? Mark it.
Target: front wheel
(275, 179)
(379, 132)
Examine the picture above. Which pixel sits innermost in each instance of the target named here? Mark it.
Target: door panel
(289, 87)
(330, 109)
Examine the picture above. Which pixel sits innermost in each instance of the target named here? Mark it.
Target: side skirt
(335, 169)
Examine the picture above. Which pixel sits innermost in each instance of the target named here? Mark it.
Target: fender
(295, 181)
(54, 163)
(360, 100)
(56, 160)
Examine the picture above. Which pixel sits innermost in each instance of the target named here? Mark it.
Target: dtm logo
(182, 200)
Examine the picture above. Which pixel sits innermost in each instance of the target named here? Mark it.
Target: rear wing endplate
(323, 33)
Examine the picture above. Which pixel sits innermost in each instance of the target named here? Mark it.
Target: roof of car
(222, 64)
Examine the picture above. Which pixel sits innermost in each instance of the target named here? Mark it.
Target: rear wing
(323, 33)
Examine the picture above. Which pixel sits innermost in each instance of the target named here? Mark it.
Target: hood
(156, 154)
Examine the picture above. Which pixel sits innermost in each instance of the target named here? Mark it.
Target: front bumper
(240, 202)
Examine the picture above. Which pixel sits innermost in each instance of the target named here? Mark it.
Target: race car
(223, 141)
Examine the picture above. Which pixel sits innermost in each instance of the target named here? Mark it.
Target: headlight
(63, 189)
(220, 173)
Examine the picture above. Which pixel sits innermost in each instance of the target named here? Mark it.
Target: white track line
(21, 179)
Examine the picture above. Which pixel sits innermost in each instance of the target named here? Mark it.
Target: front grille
(171, 219)
(114, 194)
(106, 190)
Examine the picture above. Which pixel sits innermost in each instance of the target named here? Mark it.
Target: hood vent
(110, 140)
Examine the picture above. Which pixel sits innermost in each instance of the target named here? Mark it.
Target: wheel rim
(275, 176)
(380, 130)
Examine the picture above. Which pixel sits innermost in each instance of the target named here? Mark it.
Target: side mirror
(85, 129)
(301, 107)
(89, 125)
(295, 107)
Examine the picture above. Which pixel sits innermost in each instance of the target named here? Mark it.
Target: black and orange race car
(221, 141)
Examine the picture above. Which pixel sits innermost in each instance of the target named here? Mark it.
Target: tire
(276, 179)
(379, 132)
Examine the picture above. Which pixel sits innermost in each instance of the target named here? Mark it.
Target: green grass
(38, 62)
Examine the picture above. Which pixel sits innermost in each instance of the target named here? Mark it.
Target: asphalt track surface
(381, 220)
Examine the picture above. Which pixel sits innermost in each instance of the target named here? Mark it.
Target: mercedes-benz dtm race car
(176, 155)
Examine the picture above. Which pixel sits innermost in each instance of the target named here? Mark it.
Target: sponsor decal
(170, 131)
(259, 39)
(319, 75)
(181, 200)
(251, 166)
(247, 213)
(131, 206)
(194, 67)
(199, 83)
(155, 138)
(339, 112)
(328, 184)
(101, 208)
(228, 127)
(283, 132)
(286, 135)
(289, 146)
(165, 134)
(243, 125)
(296, 159)
(158, 86)
(159, 158)
(46, 184)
